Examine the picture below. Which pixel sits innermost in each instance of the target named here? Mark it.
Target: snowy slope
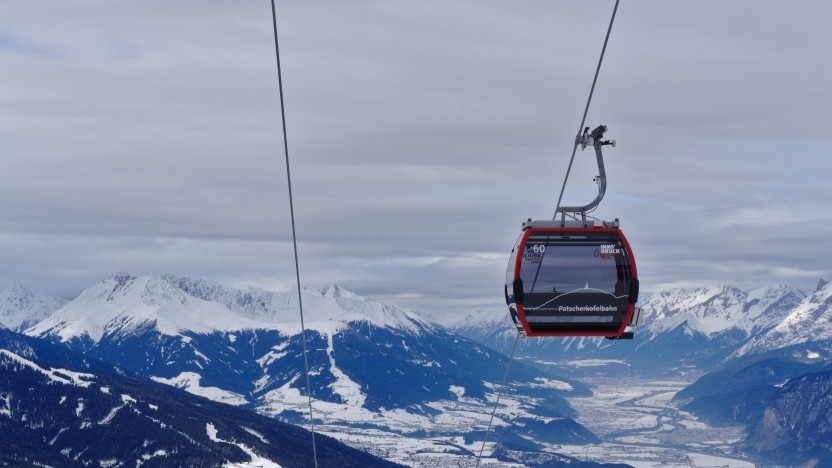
(21, 307)
(373, 366)
(122, 304)
(810, 320)
(330, 304)
(489, 327)
(74, 412)
(712, 310)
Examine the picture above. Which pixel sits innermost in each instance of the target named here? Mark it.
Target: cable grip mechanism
(589, 139)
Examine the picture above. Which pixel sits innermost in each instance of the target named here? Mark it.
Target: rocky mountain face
(777, 385)
(737, 392)
(799, 343)
(796, 424)
(808, 321)
(59, 408)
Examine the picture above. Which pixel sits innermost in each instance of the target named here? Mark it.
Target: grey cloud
(147, 138)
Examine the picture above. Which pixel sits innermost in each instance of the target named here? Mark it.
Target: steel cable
(294, 234)
(586, 109)
(499, 394)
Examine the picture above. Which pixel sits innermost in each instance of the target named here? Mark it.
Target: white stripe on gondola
(575, 291)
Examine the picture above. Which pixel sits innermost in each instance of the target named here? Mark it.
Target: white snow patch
(58, 375)
(701, 459)
(147, 456)
(105, 390)
(204, 357)
(212, 432)
(556, 384)
(274, 354)
(6, 409)
(189, 381)
(55, 439)
(346, 388)
(458, 391)
(255, 434)
(812, 355)
(107, 419)
(586, 362)
(256, 460)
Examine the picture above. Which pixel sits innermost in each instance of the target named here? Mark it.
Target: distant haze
(146, 137)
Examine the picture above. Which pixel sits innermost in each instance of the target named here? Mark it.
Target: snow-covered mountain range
(21, 307)
(123, 304)
(777, 386)
(373, 366)
(681, 327)
(710, 311)
(810, 320)
(403, 386)
(58, 408)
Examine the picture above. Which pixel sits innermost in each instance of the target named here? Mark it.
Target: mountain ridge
(373, 366)
(681, 327)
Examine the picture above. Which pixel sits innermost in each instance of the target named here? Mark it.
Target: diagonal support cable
(294, 234)
(499, 394)
(586, 109)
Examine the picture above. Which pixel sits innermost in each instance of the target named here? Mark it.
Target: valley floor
(640, 426)
(635, 418)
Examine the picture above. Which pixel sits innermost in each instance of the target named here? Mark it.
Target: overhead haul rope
(499, 394)
(574, 149)
(294, 234)
(586, 109)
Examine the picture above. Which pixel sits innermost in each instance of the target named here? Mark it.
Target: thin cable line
(294, 234)
(586, 109)
(499, 394)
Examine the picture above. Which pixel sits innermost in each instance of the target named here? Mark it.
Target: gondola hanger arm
(594, 139)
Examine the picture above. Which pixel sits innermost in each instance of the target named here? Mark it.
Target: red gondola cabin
(572, 278)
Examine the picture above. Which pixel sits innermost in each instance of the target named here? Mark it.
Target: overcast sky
(145, 137)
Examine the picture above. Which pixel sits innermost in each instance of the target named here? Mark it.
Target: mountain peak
(807, 321)
(122, 303)
(821, 284)
(715, 309)
(335, 290)
(22, 307)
